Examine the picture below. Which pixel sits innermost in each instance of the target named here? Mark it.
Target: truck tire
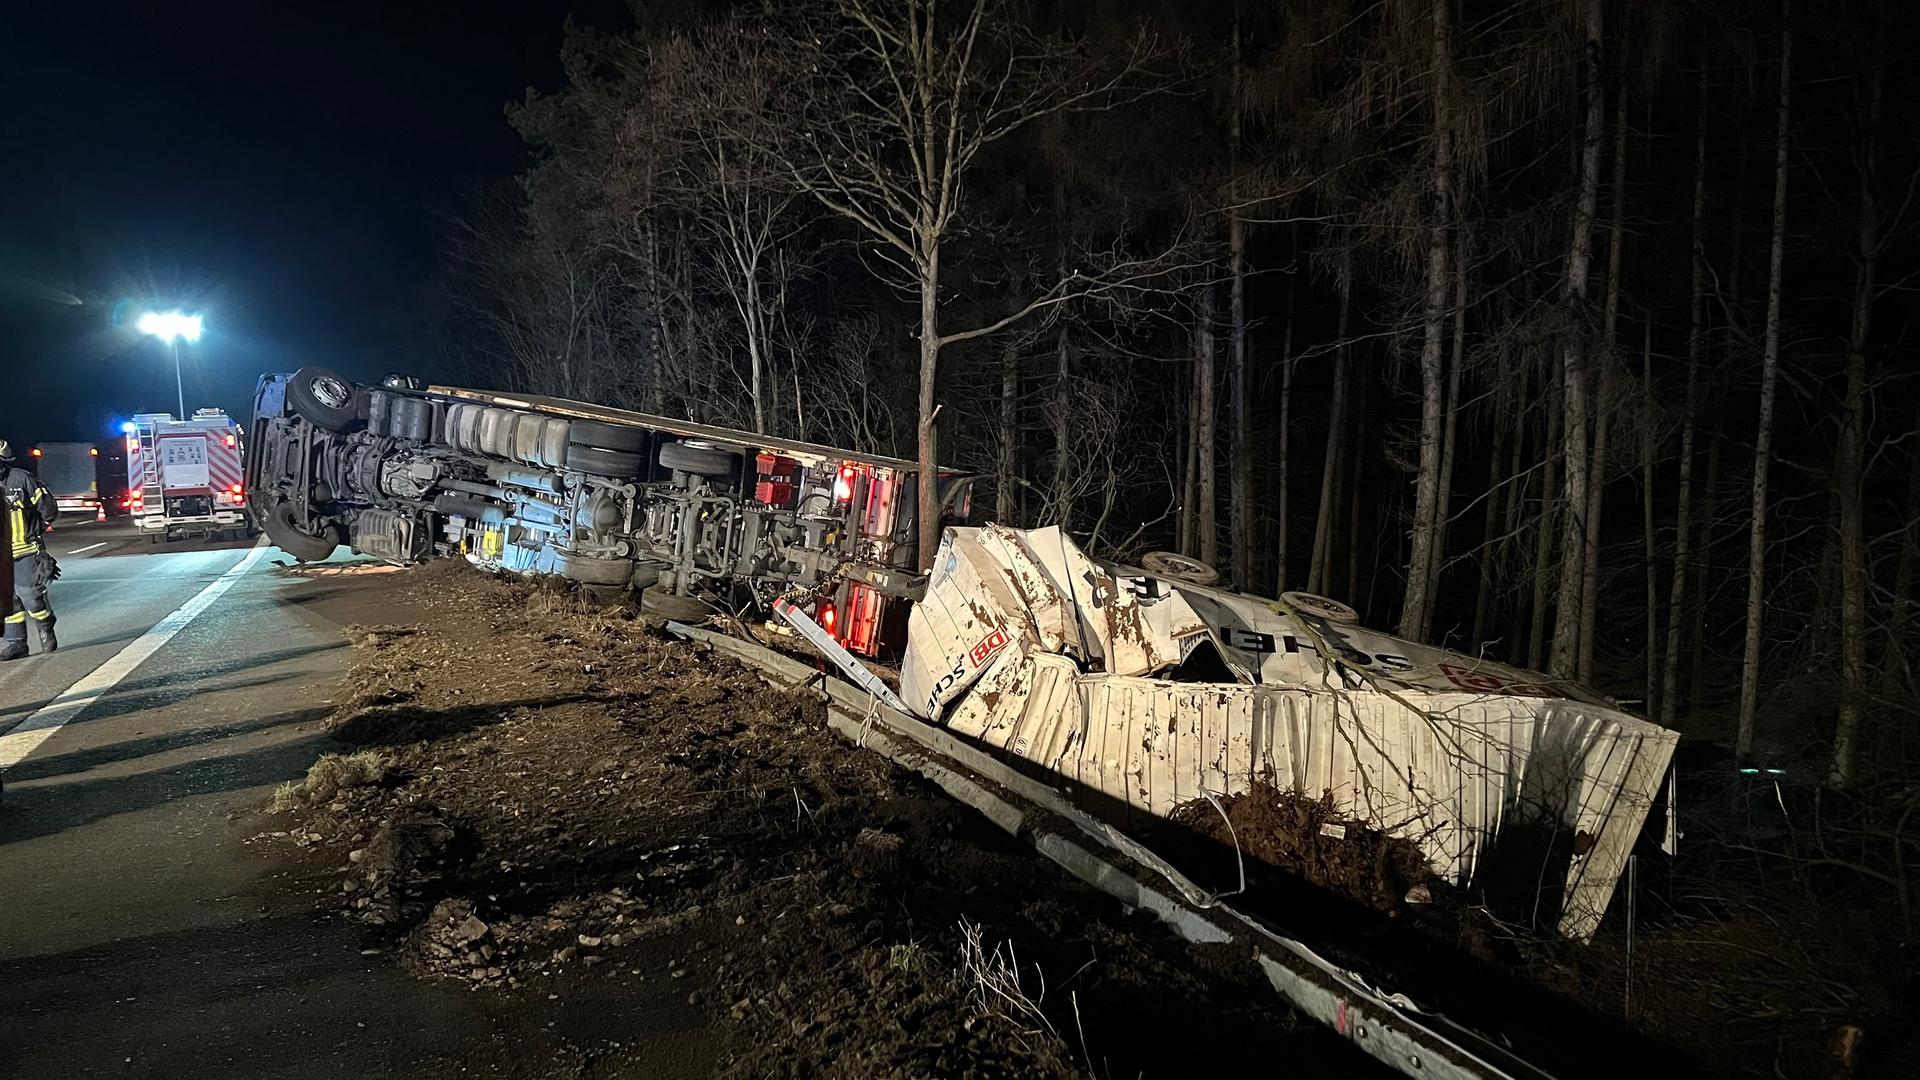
(554, 436)
(603, 436)
(698, 460)
(1168, 564)
(1333, 611)
(588, 570)
(665, 605)
(324, 398)
(614, 464)
(283, 528)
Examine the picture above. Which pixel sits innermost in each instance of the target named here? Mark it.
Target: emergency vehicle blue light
(128, 428)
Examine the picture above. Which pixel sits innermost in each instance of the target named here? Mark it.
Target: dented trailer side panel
(1381, 726)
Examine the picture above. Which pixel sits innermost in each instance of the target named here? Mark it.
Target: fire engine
(184, 477)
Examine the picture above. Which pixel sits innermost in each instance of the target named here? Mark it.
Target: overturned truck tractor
(698, 518)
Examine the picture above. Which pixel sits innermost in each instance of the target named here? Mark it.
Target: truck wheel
(283, 528)
(615, 464)
(1333, 611)
(698, 460)
(1178, 567)
(666, 605)
(324, 398)
(607, 436)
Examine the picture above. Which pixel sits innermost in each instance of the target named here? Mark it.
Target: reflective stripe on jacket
(30, 507)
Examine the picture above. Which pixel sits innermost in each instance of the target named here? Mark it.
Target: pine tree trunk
(1354, 488)
(1190, 460)
(1603, 401)
(1240, 466)
(1205, 521)
(1669, 703)
(1849, 471)
(1513, 533)
(1563, 661)
(1321, 565)
(1240, 463)
(1437, 557)
(1283, 452)
(1709, 518)
(1490, 539)
(1763, 437)
(1649, 549)
(1006, 480)
(927, 438)
(1543, 536)
(1062, 420)
(1415, 612)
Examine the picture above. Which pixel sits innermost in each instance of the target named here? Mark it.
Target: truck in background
(184, 477)
(71, 470)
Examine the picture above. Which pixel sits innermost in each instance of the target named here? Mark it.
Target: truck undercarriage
(694, 516)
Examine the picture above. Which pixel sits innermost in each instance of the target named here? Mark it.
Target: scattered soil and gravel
(548, 800)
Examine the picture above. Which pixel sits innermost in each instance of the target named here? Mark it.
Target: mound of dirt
(572, 798)
(1310, 839)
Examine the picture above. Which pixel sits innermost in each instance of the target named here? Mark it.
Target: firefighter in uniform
(30, 509)
(8, 649)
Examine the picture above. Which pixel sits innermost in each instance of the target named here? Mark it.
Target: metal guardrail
(1389, 1028)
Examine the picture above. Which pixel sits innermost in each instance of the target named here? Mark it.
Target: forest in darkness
(1570, 333)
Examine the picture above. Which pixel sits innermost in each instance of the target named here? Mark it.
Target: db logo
(1470, 680)
(989, 645)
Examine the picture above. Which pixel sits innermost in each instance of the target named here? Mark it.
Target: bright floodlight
(170, 326)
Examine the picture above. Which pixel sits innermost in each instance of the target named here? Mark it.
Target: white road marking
(89, 547)
(15, 745)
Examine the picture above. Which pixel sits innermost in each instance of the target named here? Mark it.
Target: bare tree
(1418, 611)
(1769, 380)
(1669, 692)
(890, 107)
(1563, 660)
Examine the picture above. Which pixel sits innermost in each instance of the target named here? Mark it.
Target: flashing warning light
(231, 441)
(843, 484)
(828, 617)
(129, 428)
(133, 445)
(93, 451)
(235, 489)
(36, 452)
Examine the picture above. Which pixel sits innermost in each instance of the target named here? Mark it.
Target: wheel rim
(330, 392)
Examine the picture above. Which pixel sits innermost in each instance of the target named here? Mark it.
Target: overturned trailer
(1135, 689)
(1139, 690)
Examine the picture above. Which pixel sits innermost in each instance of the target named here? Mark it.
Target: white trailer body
(1142, 692)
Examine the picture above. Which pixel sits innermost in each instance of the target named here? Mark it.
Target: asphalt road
(140, 933)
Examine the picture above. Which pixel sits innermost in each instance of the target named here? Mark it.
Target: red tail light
(828, 618)
(236, 489)
(231, 441)
(843, 485)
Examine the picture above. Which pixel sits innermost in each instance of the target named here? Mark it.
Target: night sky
(283, 169)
